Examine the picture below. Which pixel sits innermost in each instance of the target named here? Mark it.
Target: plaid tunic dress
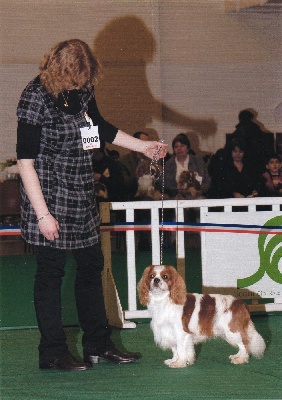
(64, 170)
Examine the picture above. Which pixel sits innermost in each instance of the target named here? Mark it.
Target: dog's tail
(256, 342)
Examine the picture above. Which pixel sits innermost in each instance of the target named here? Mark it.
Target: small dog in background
(147, 186)
(188, 186)
(181, 320)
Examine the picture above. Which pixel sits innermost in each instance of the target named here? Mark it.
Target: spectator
(259, 144)
(238, 176)
(183, 159)
(272, 178)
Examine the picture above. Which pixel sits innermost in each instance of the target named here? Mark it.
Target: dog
(188, 186)
(146, 175)
(181, 320)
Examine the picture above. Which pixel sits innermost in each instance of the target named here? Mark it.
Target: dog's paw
(178, 364)
(236, 359)
(169, 361)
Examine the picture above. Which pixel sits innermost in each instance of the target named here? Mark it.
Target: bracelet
(40, 219)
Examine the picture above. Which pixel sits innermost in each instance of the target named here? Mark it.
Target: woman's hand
(151, 149)
(47, 224)
(49, 227)
(154, 150)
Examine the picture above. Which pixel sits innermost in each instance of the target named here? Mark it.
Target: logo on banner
(270, 252)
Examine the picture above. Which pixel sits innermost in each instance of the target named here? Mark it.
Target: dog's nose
(156, 281)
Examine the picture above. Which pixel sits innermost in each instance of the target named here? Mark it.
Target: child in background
(272, 185)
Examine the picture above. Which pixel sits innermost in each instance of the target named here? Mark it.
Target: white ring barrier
(241, 251)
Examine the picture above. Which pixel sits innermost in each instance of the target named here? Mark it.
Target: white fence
(241, 250)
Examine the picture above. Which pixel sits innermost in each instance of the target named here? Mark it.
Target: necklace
(66, 104)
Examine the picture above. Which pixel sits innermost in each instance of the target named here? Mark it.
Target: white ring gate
(241, 252)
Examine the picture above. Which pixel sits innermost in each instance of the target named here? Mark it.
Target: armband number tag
(90, 137)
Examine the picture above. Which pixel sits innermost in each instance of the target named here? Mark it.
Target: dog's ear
(178, 287)
(144, 286)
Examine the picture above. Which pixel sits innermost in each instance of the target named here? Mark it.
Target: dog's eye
(152, 276)
(165, 277)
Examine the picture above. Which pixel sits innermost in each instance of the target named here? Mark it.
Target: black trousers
(89, 301)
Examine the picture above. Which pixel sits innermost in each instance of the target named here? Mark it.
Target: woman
(58, 126)
(239, 178)
(183, 160)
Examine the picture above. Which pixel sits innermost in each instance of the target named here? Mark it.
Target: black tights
(89, 300)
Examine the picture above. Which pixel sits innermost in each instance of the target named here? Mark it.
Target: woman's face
(237, 154)
(180, 150)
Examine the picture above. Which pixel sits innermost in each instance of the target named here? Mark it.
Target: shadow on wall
(124, 47)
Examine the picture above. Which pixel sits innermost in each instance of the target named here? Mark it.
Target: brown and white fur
(181, 320)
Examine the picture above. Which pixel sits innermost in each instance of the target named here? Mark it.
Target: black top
(28, 135)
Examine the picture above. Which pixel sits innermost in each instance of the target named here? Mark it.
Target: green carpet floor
(211, 377)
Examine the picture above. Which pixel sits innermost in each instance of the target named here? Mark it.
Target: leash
(156, 176)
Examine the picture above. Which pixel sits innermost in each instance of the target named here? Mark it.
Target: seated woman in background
(185, 174)
(238, 175)
(272, 178)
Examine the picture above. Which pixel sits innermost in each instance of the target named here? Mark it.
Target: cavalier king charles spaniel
(181, 320)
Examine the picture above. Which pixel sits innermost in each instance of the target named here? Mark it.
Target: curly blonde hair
(70, 64)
